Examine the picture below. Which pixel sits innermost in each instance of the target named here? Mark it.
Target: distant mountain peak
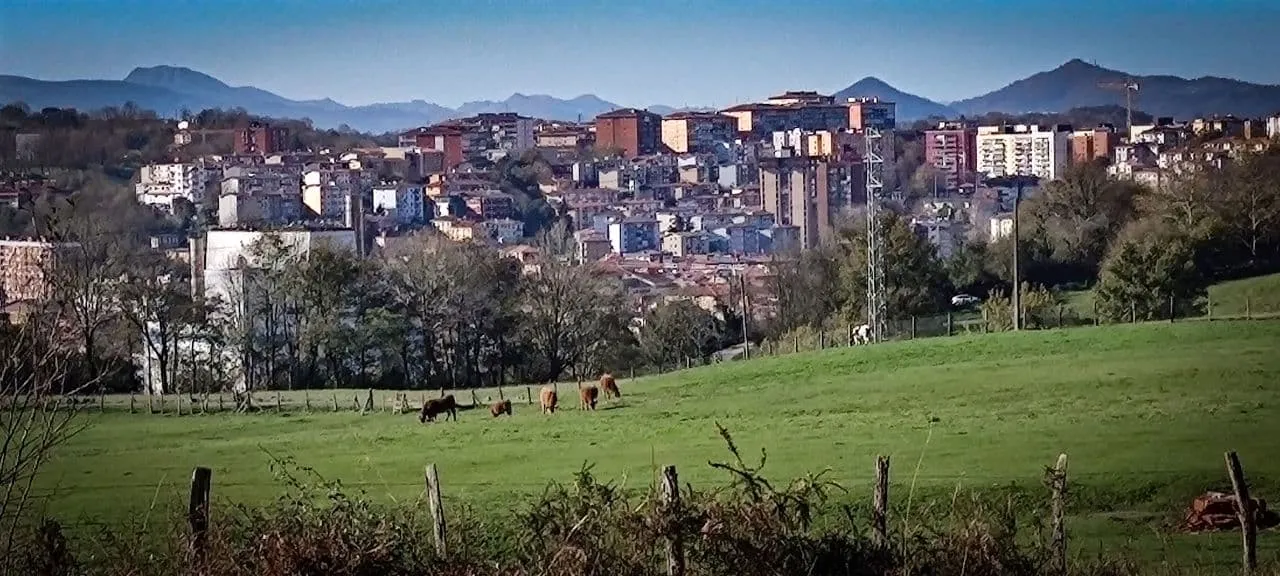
(909, 106)
(175, 78)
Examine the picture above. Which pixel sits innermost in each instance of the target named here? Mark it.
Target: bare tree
(35, 416)
(567, 312)
(157, 301)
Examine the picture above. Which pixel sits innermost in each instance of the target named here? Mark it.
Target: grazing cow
(500, 407)
(548, 397)
(862, 334)
(587, 397)
(610, 387)
(437, 406)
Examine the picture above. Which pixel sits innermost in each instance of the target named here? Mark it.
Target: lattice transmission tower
(877, 309)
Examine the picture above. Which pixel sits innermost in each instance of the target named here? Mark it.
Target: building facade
(952, 150)
(1096, 144)
(808, 192)
(405, 203)
(1022, 151)
(635, 132)
(697, 132)
(23, 266)
(160, 185)
(635, 234)
(259, 139)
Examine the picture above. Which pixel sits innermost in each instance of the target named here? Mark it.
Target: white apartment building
(1273, 126)
(1022, 151)
(160, 184)
(257, 195)
(327, 192)
(403, 202)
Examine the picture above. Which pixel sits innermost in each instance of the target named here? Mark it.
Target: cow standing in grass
(862, 334)
(437, 406)
(587, 397)
(610, 387)
(549, 399)
(500, 407)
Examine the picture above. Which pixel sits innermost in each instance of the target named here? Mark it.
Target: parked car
(964, 300)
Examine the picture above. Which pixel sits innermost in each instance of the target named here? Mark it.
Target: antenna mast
(876, 302)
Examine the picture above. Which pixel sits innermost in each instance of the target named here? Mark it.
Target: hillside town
(672, 206)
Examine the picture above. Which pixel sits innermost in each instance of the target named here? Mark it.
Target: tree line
(1137, 247)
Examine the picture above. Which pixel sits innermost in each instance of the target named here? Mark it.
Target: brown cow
(548, 397)
(500, 407)
(610, 387)
(437, 406)
(587, 397)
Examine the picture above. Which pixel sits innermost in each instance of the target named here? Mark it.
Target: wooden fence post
(1133, 312)
(848, 335)
(671, 509)
(306, 399)
(131, 409)
(1058, 483)
(913, 326)
(355, 403)
(633, 373)
(198, 510)
(949, 323)
(797, 342)
(335, 401)
(162, 403)
(880, 504)
(221, 407)
(1208, 307)
(437, 508)
(178, 398)
(368, 403)
(1244, 510)
(278, 401)
(1060, 307)
(528, 394)
(1248, 308)
(822, 339)
(1095, 313)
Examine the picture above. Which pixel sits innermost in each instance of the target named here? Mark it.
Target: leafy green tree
(915, 279)
(1150, 263)
(1080, 213)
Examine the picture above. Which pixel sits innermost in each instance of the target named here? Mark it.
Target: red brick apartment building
(635, 132)
(260, 138)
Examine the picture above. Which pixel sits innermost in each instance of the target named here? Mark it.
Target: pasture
(1144, 411)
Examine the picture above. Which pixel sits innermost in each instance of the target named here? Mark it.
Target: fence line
(1056, 480)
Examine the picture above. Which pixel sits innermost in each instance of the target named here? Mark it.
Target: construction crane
(1130, 87)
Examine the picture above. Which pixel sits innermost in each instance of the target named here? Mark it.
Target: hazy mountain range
(170, 89)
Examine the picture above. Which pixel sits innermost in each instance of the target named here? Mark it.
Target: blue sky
(633, 52)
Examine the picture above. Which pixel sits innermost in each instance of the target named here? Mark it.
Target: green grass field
(1257, 297)
(1144, 411)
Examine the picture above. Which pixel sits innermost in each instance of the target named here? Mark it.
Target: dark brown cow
(500, 407)
(587, 398)
(549, 399)
(437, 406)
(610, 387)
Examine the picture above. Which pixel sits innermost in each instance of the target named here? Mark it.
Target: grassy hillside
(1259, 296)
(1144, 411)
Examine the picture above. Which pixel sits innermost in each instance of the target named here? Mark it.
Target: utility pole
(746, 312)
(1017, 281)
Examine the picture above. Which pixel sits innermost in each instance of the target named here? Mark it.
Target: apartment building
(697, 132)
(808, 192)
(1023, 151)
(23, 265)
(634, 234)
(873, 113)
(635, 132)
(502, 230)
(259, 194)
(159, 185)
(1094, 144)
(447, 140)
(260, 139)
(405, 203)
(758, 120)
(488, 135)
(490, 204)
(1273, 126)
(328, 190)
(952, 149)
